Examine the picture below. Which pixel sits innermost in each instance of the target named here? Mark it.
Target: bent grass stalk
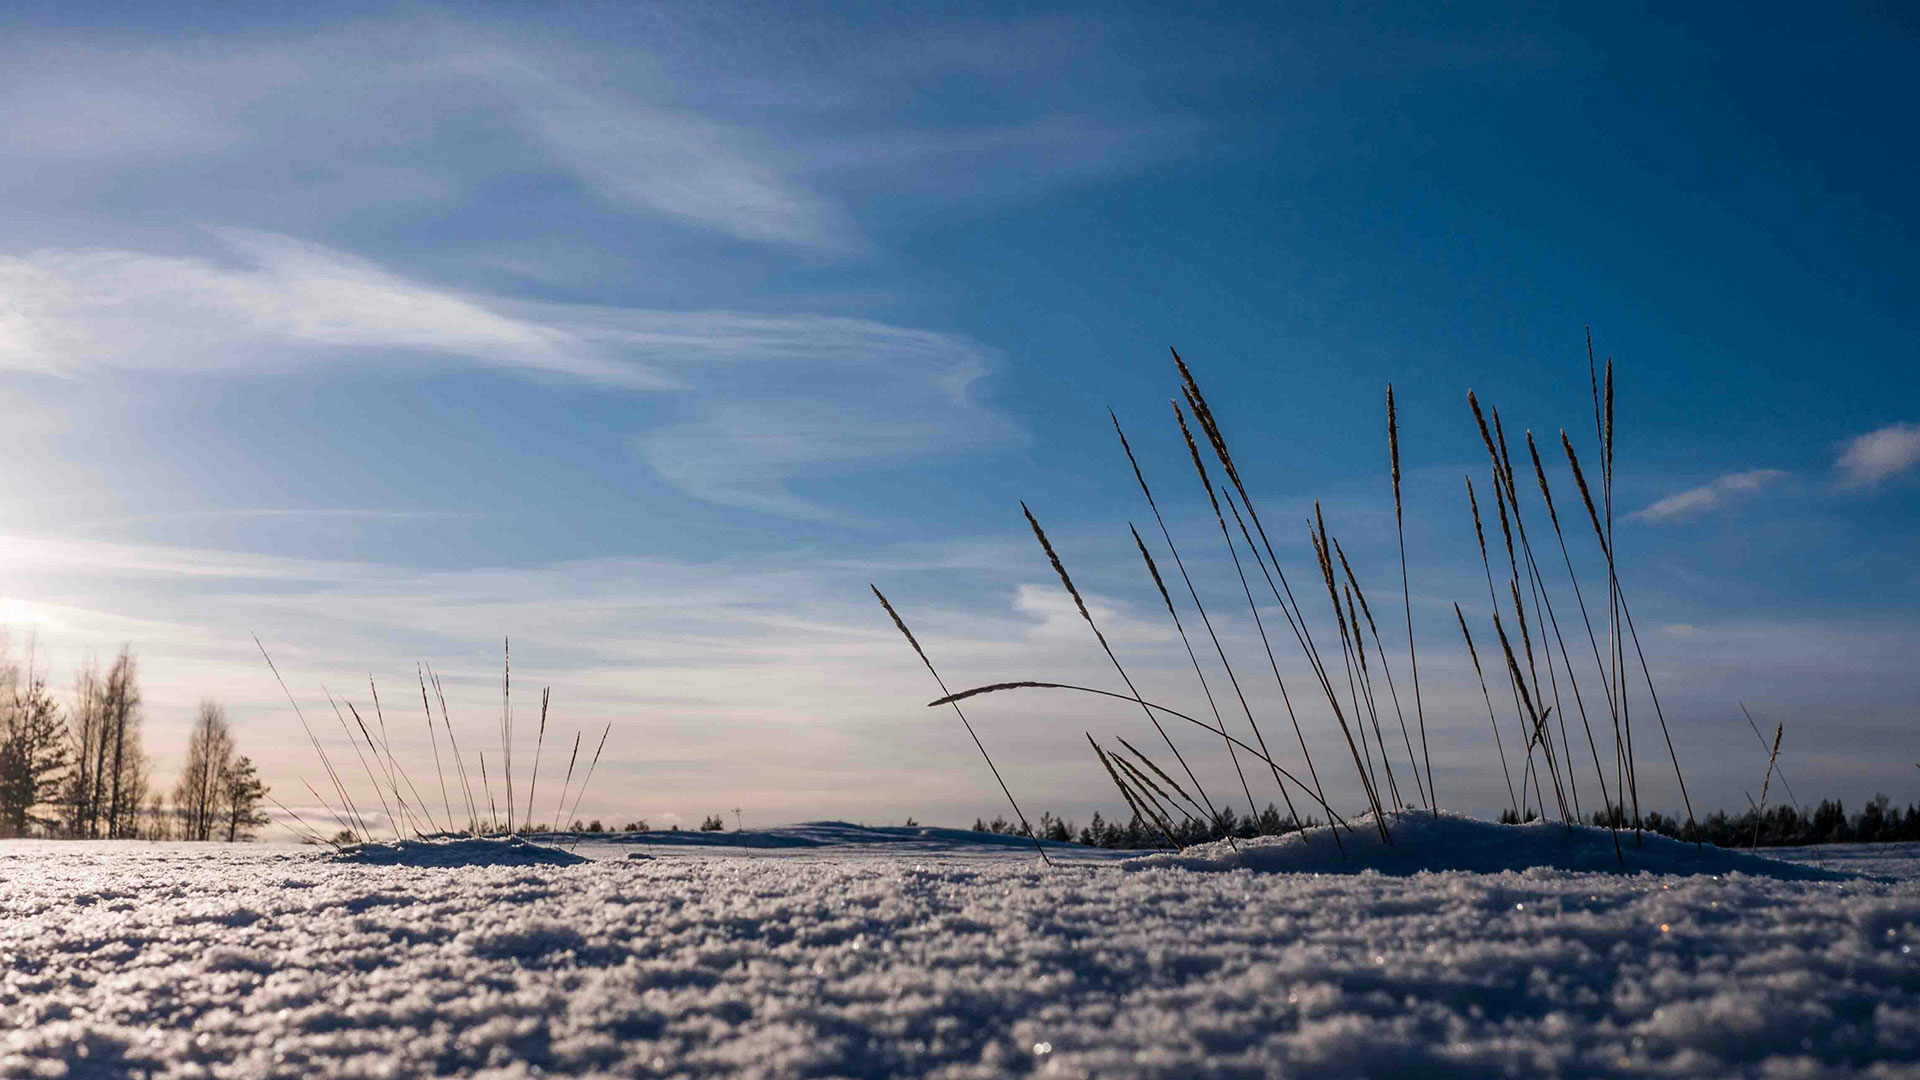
(1296, 617)
(326, 763)
(1140, 813)
(1154, 571)
(348, 732)
(1289, 606)
(1159, 772)
(901, 625)
(1285, 698)
(1156, 798)
(1059, 568)
(1031, 684)
(394, 768)
(1194, 594)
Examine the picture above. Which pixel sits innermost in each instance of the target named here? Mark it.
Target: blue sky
(649, 336)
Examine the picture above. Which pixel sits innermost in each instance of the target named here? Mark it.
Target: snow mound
(1424, 841)
(458, 851)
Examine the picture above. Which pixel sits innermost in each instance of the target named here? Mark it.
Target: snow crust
(826, 838)
(1423, 841)
(183, 960)
(456, 851)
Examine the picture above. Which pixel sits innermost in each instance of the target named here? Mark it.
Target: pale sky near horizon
(649, 336)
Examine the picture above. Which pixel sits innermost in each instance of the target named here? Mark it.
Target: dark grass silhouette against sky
(649, 337)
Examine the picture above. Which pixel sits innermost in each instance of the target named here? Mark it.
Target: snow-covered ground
(913, 952)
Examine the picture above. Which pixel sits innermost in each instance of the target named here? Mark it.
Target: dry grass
(1520, 608)
(406, 811)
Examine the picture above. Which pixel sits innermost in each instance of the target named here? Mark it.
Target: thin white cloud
(851, 395)
(273, 300)
(826, 394)
(1878, 455)
(682, 166)
(1694, 502)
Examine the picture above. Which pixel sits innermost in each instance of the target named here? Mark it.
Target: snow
(457, 851)
(1423, 841)
(827, 838)
(852, 958)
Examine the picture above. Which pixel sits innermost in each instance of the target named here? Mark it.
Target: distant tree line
(1781, 826)
(1138, 833)
(77, 769)
(1877, 822)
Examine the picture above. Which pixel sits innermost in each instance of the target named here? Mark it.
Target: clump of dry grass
(1525, 603)
(406, 811)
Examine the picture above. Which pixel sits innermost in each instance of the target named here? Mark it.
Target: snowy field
(829, 950)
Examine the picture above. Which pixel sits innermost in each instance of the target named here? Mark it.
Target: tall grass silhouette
(1521, 610)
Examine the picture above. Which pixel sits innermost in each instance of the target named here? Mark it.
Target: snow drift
(456, 851)
(1424, 841)
(187, 961)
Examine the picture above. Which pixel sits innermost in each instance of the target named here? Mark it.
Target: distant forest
(1781, 826)
(76, 768)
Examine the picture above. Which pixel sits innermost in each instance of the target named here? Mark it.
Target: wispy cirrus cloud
(1879, 455)
(272, 299)
(753, 400)
(680, 165)
(1712, 495)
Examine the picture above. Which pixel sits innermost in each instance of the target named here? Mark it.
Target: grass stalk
(493, 811)
(1513, 798)
(591, 766)
(1493, 601)
(459, 760)
(1286, 699)
(326, 763)
(1289, 605)
(446, 804)
(533, 782)
(1346, 658)
(1760, 816)
(1781, 773)
(1406, 598)
(1060, 569)
(901, 625)
(1153, 570)
(1386, 668)
(1028, 684)
(385, 807)
(1134, 803)
(419, 806)
(1207, 622)
(1161, 773)
(559, 822)
(1151, 792)
(506, 723)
